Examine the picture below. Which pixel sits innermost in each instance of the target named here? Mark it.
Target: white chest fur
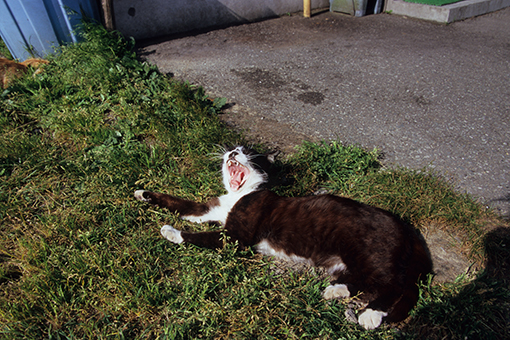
(219, 212)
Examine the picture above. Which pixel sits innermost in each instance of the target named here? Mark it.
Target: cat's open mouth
(238, 174)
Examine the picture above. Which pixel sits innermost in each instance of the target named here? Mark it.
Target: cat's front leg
(209, 239)
(187, 209)
(338, 290)
(172, 234)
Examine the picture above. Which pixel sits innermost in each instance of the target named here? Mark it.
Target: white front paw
(336, 291)
(139, 196)
(171, 234)
(371, 319)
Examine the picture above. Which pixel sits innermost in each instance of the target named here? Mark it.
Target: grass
(81, 258)
(4, 51)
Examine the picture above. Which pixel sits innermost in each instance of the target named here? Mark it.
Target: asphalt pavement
(425, 95)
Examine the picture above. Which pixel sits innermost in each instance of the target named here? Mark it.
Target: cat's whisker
(218, 154)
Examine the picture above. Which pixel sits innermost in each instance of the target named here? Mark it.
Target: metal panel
(33, 28)
(353, 7)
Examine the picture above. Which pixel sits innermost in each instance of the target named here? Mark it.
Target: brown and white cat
(366, 250)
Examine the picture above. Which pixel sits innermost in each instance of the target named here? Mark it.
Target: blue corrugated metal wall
(31, 28)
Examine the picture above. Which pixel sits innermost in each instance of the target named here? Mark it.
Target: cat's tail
(420, 265)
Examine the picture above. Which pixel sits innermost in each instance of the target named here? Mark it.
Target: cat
(366, 250)
(10, 70)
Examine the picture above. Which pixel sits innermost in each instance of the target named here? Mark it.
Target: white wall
(151, 18)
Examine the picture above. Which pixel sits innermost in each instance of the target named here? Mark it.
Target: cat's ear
(271, 156)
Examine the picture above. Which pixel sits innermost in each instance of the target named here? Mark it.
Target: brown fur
(10, 70)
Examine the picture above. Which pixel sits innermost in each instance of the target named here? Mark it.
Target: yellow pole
(307, 8)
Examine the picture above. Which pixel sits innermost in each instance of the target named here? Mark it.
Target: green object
(343, 6)
(433, 2)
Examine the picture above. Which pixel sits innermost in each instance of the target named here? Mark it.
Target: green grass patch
(4, 51)
(81, 258)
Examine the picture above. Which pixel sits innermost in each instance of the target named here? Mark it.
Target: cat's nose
(233, 154)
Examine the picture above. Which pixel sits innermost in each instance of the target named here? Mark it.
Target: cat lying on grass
(366, 250)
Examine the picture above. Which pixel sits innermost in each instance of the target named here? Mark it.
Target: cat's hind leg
(371, 319)
(380, 302)
(338, 290)
(368, 319)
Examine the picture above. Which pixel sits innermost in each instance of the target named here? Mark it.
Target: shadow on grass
(479, 309)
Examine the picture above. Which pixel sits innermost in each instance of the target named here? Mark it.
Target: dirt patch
(447, 256)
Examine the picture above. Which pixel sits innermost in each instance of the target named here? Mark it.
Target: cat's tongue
(237, 176)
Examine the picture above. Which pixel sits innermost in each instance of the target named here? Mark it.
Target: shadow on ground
(479, 309)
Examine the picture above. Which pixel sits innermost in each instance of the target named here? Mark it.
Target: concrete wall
(448, 13)
(152, 18)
